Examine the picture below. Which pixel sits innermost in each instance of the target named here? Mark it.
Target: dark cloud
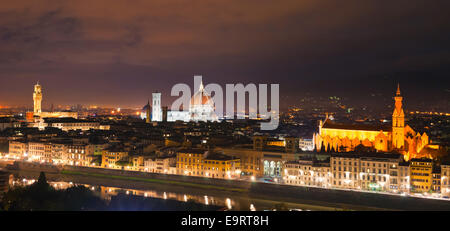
(118, 52)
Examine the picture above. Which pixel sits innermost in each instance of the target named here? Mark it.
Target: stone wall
(168, 177)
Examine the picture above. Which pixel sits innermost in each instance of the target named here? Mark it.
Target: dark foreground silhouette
(40, 196)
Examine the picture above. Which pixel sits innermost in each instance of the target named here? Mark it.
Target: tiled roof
(365, 127)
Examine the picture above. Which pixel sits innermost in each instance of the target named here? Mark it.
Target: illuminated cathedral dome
(147, 106)
(144, 110)
(201, 97)
(201, 106)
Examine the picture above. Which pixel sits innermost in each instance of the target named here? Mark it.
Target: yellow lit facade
(279, 143)
(37, 105)
(110, 157)
(195, 162)
(18, 149)
(398, 136)
(37, 98)
(251, 160)
(421, 175)
(137, 163)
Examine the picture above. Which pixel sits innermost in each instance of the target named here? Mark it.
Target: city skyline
(379, 98)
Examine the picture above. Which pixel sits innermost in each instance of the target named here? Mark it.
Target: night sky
(115, 53)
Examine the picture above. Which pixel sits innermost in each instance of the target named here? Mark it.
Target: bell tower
(147, 112)
(37, 98)
(156, 107)
(398, 122)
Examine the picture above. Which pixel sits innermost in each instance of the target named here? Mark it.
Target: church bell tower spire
(398, 121)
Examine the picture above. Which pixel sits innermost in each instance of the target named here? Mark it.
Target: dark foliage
(40, 196)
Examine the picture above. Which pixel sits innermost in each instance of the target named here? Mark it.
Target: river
(108, 188)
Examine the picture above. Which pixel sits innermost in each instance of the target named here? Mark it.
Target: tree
(42, 181)
(332, 149)
(37, 197)
(360, 148)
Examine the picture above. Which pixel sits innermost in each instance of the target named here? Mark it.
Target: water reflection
(106, 192)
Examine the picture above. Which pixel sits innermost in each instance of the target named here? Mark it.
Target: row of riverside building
(384, 172)
(183, 161)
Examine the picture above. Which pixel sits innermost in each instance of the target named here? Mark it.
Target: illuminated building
(146, 112)
(371, 172)
(345, 171)
(307, 173)
(381, 173)
(398, 136)
(137, 163)
(198, 162)
(40, 151)
(156, 107)
(288, 144)
(436, 180)
(404, 177)
(112, 155)
(160, 165)
(81, 154)
(266, 157)
(37, 112)
(398, 122)
(173, 116)
(306, 144)
(275, 142)
(421, 175)
(18, 148)
(37, 98)
(445, 181)
(201, 106)
(67, 124)
(58, 152)
(251, 160)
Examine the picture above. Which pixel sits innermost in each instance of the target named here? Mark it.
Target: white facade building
(345, 170)
(156, 107)
(173, 116)
(307, 173)
(445, 181)
(160, 165)
(306, 144)
(201, 108)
